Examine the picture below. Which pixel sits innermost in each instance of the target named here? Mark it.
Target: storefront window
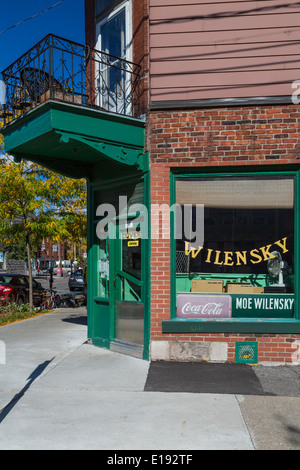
(248, 249)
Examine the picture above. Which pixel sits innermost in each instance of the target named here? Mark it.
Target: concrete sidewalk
(58, 392)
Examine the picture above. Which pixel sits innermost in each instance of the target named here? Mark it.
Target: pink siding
(205, 50)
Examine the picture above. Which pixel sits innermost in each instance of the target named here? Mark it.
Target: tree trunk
(60, 261)
(30, 272)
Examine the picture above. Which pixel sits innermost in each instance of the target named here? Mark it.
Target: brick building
(49, 254)
(208, 156)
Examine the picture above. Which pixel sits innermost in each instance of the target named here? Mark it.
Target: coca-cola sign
(203, 306)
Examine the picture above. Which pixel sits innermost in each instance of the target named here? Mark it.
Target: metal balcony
(60, 70)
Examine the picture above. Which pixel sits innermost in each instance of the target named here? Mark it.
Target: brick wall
(225, 136)
(90, 30)
(140, 47)
(217, 137)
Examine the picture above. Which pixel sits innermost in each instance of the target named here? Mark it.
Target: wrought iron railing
(61, 70)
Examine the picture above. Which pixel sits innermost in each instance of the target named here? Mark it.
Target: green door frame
(101, 315)
(117, 273)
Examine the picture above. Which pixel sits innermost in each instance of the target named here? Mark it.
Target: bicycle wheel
(69, 303)
(57, 300)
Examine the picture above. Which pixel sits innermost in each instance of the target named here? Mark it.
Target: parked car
(76, 280)
(15, 288)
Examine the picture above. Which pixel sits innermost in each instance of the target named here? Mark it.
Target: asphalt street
(60, 284)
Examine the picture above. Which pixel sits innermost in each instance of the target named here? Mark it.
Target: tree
(16, 251)
(36, 203)
(70, 202)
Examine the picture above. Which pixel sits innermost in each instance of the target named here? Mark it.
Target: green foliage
(13, 312)
(13, 307)
(39, 203)
(36, 203)
(17, 251)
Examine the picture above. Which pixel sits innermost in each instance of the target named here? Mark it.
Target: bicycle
(52, 300)
(72, 300)
(55, 299)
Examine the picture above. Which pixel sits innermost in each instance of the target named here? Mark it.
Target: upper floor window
(114, 38)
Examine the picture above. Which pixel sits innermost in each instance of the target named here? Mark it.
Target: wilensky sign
(237, 258)
(195, 305)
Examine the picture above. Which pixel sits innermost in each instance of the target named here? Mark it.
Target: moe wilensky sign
(263, 305)
(195, 305)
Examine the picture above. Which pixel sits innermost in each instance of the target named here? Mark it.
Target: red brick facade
(140, 48)
(253, 135)
(233, 136)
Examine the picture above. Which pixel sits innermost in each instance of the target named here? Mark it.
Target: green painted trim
(112, 290)
(296, 246)
(146, 268)
(74, 140)
(90, 263)
(241, 325)
(26, 119)
(120, 154)
(173, 246)
(253, 170)
(101, 342)
(129, 278)
(73, 110)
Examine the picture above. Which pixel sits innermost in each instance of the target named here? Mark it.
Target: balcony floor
(77, 141)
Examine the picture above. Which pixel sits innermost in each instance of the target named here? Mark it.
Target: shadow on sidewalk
(78, 319)
(33, 376)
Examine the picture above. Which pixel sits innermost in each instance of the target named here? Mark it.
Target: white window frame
(127, 5)
(128, 25)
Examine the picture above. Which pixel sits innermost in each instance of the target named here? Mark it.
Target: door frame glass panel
(128, 286)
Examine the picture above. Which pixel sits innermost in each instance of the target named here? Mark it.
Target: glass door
(128, 285)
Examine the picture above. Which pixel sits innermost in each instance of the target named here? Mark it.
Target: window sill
(234, 325)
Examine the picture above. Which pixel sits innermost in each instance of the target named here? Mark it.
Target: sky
(65, 20)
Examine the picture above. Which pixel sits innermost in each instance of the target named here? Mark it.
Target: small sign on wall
(246, 353)
(203, 306)
(133, 243)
